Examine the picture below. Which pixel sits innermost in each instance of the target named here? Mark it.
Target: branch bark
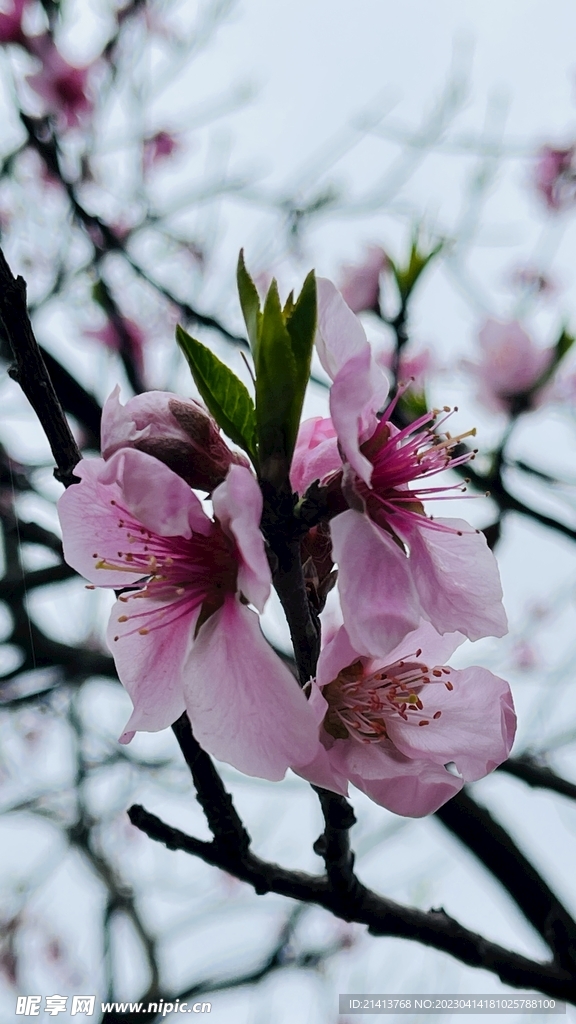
(29, 371)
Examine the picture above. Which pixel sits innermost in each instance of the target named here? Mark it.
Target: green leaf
(563, 346)
(224, 394)
(301, 326)
(276, 379)
(250, 303)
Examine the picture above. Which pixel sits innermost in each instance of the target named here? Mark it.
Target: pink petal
(476, 727)
(359, 390)
(337, 654)
(360, 387)
(435, 647)
(379, 602)
(457, 579)
(339, 335)
(316, 453)
(405, 786)
(90, 526)
(245, 707)
(158, 498)
(237, 505)
(321, 771)
(361, 283)
(150, 666)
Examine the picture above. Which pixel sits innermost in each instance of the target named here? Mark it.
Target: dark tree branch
(221, 815)
(478, 830)
(382, 916)
(29, 371)
(539, 776)
(334, 843)
(12, 587)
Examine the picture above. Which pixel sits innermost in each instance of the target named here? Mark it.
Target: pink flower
(414, 369)
(510, 366)
(158, 147)
(11, 23)
(396, 565)
(391, 726)
(180, 432)
(183, 636)
(555, 177)
(361, 283)
(111, 336)
(61, 86)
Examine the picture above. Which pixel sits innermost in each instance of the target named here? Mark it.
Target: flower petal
(156, 497)
(359, 390)
(476, 727)
(150, 665)
(379, 602)
(360, 387)
(237, 505)
(403, 785)
(339, 335)
(245, 707)
(436, 648)
(457, 578)
(316, 453)
(90, 526)
(337, 654)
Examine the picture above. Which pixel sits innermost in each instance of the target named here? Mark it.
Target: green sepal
(561, 348)
(250, 303)
(413, 404)
(407, 276)
(225, 396)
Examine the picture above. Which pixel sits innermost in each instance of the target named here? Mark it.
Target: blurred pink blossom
(158, 147)
(119, 336)
(361, 282)
(510, 365)
(62, 86)
(415, 367)
(555, 177)
(11, 23)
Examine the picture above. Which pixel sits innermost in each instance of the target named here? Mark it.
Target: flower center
(177, 573)
(360, 703)
(403, 462)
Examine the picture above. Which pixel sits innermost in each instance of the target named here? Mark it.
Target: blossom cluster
(383, 710)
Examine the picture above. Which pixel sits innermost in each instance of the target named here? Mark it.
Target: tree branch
(382, 916)
(497, 851)
(29, 371)
(539, 776)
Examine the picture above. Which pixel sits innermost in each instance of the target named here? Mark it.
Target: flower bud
(179, 432)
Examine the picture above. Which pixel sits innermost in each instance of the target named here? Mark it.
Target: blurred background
(141, 147)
